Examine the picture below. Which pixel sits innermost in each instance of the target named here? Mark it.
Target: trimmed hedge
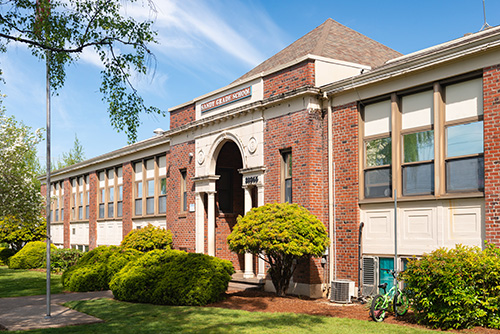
(5, 254)
(148, 238)
(63, 258)
(171, 277)
(94, 270)
(456, 288)
(32, 255)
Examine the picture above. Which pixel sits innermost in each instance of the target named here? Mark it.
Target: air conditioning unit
(369, 275)
(342, 290)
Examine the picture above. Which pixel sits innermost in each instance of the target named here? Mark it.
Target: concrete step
(238, 278)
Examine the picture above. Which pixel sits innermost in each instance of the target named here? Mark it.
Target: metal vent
(342, 290)
(370, 269)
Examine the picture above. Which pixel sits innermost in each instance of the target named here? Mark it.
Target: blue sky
(205, 45)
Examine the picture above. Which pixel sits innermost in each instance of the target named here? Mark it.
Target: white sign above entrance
(226, 99)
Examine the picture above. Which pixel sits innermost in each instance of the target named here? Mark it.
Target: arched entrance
(229, 200)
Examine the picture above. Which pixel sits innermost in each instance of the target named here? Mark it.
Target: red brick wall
(182, 116)
(182, 224)
(288, 79)
(303, 132)
(128, 202)
(67, 213)
(345, 152)
(491, 105)
(93, 209)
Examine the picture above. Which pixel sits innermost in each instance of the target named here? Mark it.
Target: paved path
(24, 313)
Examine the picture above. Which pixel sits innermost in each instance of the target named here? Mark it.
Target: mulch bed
(260, 301)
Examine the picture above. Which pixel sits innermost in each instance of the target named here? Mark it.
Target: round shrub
(63, 258)
(5, 254)
(32, 255)
(95, 269)
(171, 277)
(148, 238)
(455, 288)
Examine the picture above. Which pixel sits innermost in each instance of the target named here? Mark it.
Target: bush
(456, 288)
(148, 238)
(171, 277)
(284, 233)
(62, 259)
(5, 254)
(94, 270)
(31, 256)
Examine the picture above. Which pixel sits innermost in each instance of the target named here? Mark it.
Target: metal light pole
(47, 56)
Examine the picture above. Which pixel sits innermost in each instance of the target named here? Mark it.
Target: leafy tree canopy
(60, 30)
(20, 199)
(282, 233)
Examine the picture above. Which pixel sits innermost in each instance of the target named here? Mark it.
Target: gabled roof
(331, 40)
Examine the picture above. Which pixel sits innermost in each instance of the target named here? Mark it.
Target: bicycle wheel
(400, 303)
(377, 310)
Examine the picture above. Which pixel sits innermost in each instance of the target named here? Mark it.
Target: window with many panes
(424, 143)
(286, 176)
(102, 193)
(377, 150)
(417, 136)
(150, 186)
(464, 161)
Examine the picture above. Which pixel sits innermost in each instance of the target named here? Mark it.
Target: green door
(384, 276)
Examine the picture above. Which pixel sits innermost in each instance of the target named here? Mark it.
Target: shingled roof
(331, 40)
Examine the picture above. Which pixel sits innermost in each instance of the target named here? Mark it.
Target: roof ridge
(323, 37)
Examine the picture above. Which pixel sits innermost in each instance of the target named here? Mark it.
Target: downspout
(331, 198)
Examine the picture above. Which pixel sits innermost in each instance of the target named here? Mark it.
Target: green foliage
(456, 288)
(171, 277)
(74, 156)
(63, 258)
(20, 199)
(147, 239)
(284, 233)
(58, 31)
(94, 270)
(5, 254)
(31, 256)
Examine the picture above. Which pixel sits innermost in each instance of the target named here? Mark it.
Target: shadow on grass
(19, 282)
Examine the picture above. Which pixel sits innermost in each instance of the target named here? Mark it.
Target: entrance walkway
(24, 313)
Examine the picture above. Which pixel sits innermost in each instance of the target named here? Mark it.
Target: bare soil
(260, 301)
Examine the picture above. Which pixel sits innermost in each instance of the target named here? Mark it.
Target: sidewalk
(24, 313)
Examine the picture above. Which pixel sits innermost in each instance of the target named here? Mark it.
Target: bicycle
(396, 297)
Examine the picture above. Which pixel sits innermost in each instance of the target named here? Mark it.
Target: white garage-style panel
(418, 229)
(422, 226)
(109, 233)
(465, 223)
(79, 233)
(378, 232)
(57, 234)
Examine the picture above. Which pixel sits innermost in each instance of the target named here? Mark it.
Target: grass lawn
(18, 282)
(121, 317)
(133, 318)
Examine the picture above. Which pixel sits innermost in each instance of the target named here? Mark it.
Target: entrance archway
(229, 200)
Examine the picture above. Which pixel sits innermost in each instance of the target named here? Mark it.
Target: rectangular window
(183, 190)
(102, 194)
(150, 199)
(286, 176)
(377, 150)
(162, 198)
(138, 198)
(464, 157)
(378, 175)
(119, 203)
(418, 166)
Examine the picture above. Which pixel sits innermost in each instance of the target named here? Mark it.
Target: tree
(282, 233)
(74, 156)
(60, 30)
(21, 203)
